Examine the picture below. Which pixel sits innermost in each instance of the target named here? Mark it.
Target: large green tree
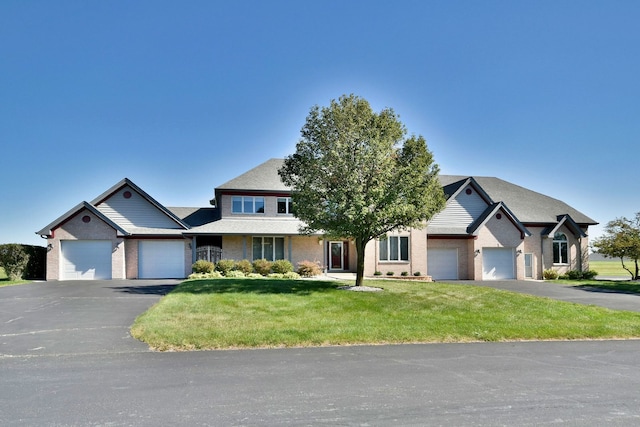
(621, 239)
(356, 175)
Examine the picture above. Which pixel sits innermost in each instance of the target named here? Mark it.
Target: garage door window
(394, 248)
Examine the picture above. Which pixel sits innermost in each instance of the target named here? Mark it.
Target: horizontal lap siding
(135, 211)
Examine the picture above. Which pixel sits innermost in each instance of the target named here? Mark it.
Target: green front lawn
(247, 313)
(612, 268)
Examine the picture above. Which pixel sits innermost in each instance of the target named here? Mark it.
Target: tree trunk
(360, 244)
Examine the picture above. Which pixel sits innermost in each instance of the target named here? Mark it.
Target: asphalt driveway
(75, 317)
(612, 300)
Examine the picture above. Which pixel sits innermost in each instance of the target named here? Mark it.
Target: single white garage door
(161, 259)
(86, 259)
(442, 264)
(498, 263)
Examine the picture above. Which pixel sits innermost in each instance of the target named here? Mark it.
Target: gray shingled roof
(242, 226)
(528, 206)
(263, 177)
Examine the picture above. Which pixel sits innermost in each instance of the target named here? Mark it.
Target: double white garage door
(497, 264)
(92, 259)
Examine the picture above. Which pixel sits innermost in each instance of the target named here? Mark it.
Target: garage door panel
(498, 263)
(161, 259)
(86, 259)
(442, 264)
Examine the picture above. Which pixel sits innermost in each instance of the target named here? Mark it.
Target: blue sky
(182, 96)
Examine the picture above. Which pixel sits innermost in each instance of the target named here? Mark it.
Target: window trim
(274, 247)
(288, 207)
(245, 199)
(560, 240)
(388, 249)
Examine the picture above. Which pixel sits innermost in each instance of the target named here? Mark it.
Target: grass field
(611, 268)
(249, 313)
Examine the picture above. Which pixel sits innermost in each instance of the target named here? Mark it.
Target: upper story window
(560, 249)
(394, 248)
(247, 204)
(285, 205)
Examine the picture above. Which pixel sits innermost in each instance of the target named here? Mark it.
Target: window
(285, 205)
(269, 248)
(394, 248)
(560, 249)
(244, 204)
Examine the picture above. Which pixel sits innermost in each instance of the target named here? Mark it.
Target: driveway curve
(75, 317)
(588, 296)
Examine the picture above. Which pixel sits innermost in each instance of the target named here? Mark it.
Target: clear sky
(180, 97)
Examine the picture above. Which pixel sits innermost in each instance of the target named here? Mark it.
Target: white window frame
(288, 205)
(261, 255)
(385, 249)
(560, 240)
(244, 200)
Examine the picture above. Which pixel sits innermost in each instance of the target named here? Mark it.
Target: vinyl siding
(461, 211)
(134, 212)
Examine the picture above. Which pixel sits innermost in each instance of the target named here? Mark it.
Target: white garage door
(161, 259)
(498, 264)
(442, 264)
(86, 259)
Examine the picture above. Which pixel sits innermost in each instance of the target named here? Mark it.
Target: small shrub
(390, 273)
(417, 273)
(579, 275)
(275, 276)
(14, 260)
(224, 266)
(309, 268)
(254, 276)
(203, 266)
(235, 273)
(404, 273)
(262, 266)
(549, 274)
(588, 275)
(377, 273)
(245, 266)
(291, 275)
(282, 266)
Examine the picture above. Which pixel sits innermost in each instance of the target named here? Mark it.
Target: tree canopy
(356, 175)
(621, 239)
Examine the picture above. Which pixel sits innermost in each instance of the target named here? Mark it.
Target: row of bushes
(569, 275)
(391, 273)
(281, 268)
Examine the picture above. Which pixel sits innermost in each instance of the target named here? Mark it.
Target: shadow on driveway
(145, 290)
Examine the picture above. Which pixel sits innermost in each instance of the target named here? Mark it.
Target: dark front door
(336, 256)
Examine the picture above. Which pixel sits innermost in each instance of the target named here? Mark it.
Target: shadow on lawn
(257, 286)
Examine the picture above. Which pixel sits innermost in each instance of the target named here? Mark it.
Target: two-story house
(489, 229)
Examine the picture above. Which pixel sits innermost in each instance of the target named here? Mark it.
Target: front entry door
(336, 256)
